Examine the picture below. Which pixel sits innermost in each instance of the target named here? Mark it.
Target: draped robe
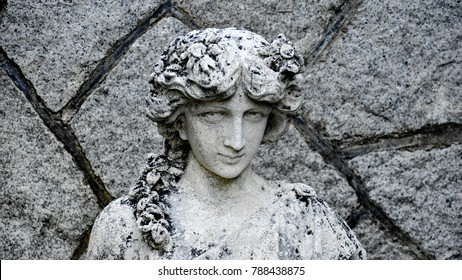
(294, 224)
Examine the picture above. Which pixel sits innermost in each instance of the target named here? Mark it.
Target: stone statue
(217, 95)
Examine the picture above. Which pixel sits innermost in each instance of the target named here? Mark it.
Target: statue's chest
(233, 236)
(198, 233)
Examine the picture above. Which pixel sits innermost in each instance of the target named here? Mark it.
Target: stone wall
(379, 136)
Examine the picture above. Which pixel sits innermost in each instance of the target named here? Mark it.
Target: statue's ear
(181, 127)
(276, 126)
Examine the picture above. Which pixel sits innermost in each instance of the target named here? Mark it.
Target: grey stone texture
(58, 43)
(420, 191)
(297, 20)
(290, 159)
(396, 67)
(384, 243)
(45, 205)
(387, 70)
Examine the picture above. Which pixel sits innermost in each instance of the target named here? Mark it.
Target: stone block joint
(343, 16)
(180, 14)
(325, 148)
(430, 136)
(62, 132)
(112, 58)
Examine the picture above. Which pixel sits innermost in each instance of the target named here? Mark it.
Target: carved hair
(207, 65)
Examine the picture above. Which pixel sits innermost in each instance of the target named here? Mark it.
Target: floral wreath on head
(206, 65)
(203, 65)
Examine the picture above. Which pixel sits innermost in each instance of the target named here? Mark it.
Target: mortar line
(181, 15)
(83, 244)
(347, 11)
(111, 59)
(60, 130)
(323, 146)
(430, 136)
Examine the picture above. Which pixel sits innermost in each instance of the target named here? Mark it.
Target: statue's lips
(232, 157)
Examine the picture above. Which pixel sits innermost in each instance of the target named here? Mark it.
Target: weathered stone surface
(44, 204)
(397, 67)
(291, 159)
(420, 191)
(112, 125)
(298, 20)
(58, 43)
(380, 243)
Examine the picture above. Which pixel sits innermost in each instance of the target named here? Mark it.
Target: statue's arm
(341, 232)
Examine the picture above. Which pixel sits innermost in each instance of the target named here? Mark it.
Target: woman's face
(225, 135)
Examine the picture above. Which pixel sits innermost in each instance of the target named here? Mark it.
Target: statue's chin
(227, 171)
(228, 174)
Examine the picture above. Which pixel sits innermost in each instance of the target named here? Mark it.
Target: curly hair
(207, 65)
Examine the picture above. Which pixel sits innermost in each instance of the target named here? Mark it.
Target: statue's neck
(208, 208)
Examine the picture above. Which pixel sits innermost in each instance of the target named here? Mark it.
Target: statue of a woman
(217, 95)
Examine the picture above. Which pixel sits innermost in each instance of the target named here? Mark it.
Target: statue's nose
(235, 138)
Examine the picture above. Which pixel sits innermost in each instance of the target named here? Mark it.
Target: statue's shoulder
(300, 190)
(115, 234)
(327, 233)
(119, 213)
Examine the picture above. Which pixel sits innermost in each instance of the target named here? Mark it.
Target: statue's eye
(255, 116)
(213, 117)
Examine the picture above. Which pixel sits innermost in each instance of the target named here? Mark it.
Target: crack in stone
(427, 137)
(331, 156)
(343, 16)
(62, 132)
(112, 58)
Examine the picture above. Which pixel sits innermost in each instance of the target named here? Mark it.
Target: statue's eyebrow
(201, 108)
(263, 105)
(263, 110)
